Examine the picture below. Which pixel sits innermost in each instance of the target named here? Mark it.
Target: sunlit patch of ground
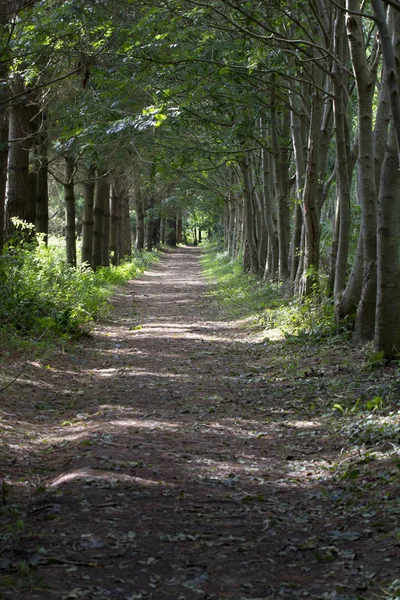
(170, 437)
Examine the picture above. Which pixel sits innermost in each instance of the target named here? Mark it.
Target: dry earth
(170, 456)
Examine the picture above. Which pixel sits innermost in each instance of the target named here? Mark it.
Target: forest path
(167, 457)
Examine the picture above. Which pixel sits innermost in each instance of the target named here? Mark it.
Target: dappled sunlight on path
(166, 458)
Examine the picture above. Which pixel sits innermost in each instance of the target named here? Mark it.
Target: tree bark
(18, 167)
(70, 207)
(387, 326)
(3, 171)
(150, 224)
(271, 264)
(281, 184)
(115, 221)
(88, 218)
(107, 225)
(139, 209)
(299, 142)
(126, 223)
(100, 200)
(162, 229)
(4, 129)
(250, 236)
(365, 318)
(170, 236)
(310, 200)
(342, 156)
(42, 174)
(179, 231)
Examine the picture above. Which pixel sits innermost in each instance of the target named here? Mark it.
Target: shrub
(41, 295)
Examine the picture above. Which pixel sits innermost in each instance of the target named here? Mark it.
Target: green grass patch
(244, 295)
(42, 298)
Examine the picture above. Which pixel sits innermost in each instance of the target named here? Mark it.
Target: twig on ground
(10, 383)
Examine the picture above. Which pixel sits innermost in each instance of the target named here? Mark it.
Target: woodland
(139, 140)
(274, 126)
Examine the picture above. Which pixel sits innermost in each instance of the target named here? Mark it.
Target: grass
(246, 296)
(242, 295)
(365, 415)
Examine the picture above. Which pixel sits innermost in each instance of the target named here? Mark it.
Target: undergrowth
(244, 295)
(372, 419)
(42, 298)
(241, 294)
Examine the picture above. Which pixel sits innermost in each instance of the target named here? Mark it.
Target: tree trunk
(4, 129)
(100, 200)
(107, 226)
(310, 200)
(171, 232)
(3, 171)
(42, 174)
(281, 184)
(179, 231)
(387, 326)
(299, 142)
(162, 229)
(115, 221)
(347, 304)
(139, 209)
(230, 234)
(18, 166)
(150, 224)
(342, 157)
(88, 218)
(69, 199)
(250, 236)
(365, 319)
(127, 234)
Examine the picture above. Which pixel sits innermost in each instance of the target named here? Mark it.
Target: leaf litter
(189, 459)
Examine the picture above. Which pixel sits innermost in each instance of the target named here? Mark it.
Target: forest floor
(175, 454)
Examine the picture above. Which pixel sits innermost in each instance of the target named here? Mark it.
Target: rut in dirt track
(164, 479)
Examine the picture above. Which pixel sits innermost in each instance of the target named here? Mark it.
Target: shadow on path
(164, 459)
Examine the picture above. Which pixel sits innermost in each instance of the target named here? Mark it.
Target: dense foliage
(273, 125)
(44, 298)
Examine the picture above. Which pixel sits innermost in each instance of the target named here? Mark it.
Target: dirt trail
(159, 464)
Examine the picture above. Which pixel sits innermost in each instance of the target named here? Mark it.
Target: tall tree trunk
(3, 171)
(310, 200)
(281, 183)
(139, 208)
(347, 304)
(365, 319)
(42, 174)
(250, 236)
(70, 207)
(171, 232)
(150, 224)
(100, 200)
(127, 237)
(387, 326)
(88, 218)
(342, 156)
(115, 221)
(298, 119)
(179, 230)
(107, 225)
(4, 127)
(18, 166)
(230, 234)
(162, 229)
